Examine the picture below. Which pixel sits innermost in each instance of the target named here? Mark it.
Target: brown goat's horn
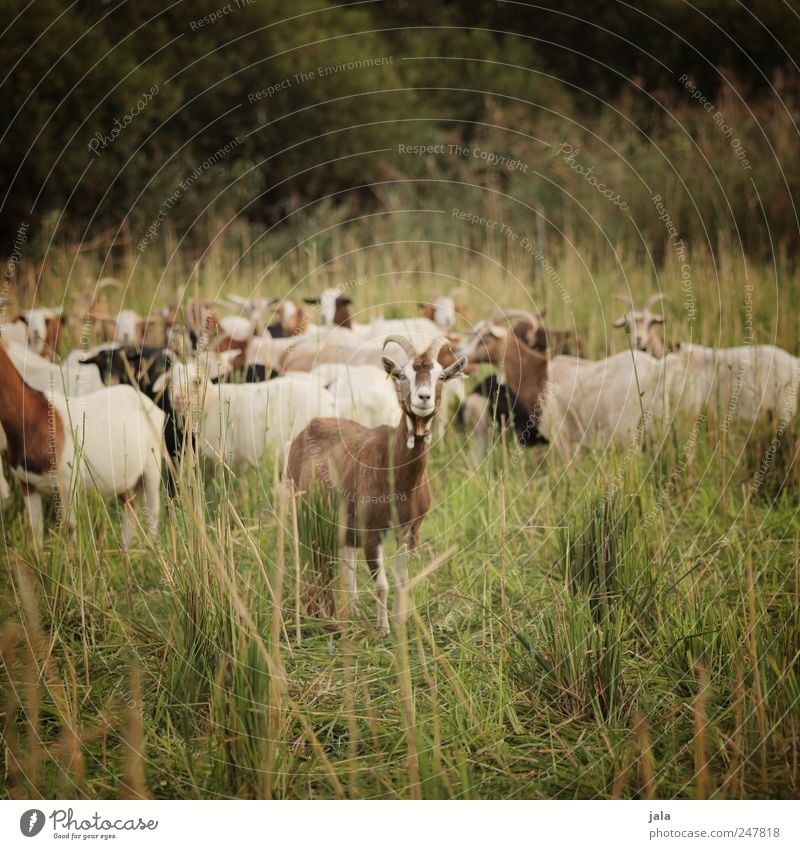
(403, 342)
(626, 299)
(508, 315)
(108, 281)
(433, 350)
(654, 299)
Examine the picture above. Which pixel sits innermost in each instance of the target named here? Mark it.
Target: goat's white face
(327, 306)
(38, 322)
(186, 384)
(422, 380)
(419, 383)
(189, 381)
(639, 324)
(128, 327)
(37, 329)
(444, 312)
(288, 314)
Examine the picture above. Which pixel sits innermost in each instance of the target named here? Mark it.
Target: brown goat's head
(641, 323)
(419, 382)
(487, 342)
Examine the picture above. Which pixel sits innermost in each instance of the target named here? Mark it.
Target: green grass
(625, 627)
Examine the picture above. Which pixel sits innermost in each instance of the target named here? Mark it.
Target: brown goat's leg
(400, 571)
(349, 568)
(374, 553)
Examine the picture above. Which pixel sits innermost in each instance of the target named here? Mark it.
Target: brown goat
(378, 476)
(524, 369)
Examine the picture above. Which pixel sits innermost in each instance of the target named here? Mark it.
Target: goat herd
(265, 382)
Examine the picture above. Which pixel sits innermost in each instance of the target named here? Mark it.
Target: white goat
(108, 441)
(743, 382)
(238, 424)
(362, 393)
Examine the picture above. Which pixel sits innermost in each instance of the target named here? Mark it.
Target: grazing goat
(490, 401)
(643, 325)
(522, 369)
(597, 404)
(493, 401)
(143, 368)
(238, 423)
(70, 378)
(378, 477)
(743, 383)
(108, 441)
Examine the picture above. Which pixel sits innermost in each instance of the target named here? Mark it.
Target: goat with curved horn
(654, 299)
(403, 342)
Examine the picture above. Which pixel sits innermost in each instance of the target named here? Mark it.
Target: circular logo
(31, 822)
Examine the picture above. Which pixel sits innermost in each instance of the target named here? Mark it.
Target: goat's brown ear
(656, 319)
(621, 322)
(391, 367)
(454, 370)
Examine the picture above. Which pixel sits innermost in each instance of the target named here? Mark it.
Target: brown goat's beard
(417, 427)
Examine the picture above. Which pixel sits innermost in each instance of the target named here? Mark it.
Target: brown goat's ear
(656, 319)
(391, 367)
(621, 322)
(454, 370)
